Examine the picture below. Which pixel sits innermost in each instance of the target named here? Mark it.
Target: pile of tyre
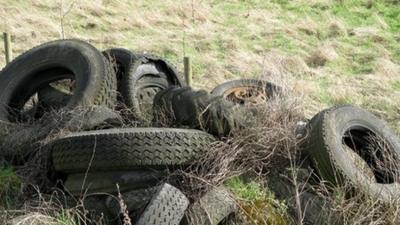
(112, 146)
(131, 121)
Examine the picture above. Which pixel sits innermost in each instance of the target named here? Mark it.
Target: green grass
(247, 191)
(396, 85)
(259, 204)
(10, 185)
(64, 218)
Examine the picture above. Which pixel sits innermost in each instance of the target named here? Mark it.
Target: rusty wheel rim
(246, 95)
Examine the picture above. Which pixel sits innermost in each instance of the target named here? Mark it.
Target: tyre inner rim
(145, 97)
(375, 151)
(246, 95)
(25, 104)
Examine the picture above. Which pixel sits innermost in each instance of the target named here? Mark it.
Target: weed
(10, 186)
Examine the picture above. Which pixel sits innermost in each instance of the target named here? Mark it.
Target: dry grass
(53, 208)
(266, 144)
(240, 39)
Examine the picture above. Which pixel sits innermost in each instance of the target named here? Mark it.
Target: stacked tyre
(102, 159)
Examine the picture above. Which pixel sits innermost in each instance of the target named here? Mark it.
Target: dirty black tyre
(95, 209)
(106, 182)
(128, 148)
(51, 97)
(123, 61)
(134, 200)
(211, 208)
(167, 206)
(145, 79)
(333, 130)
(163, 111)
(90, 118)
(199, 110)
(265, 90)
(21, 143)
(52, 61)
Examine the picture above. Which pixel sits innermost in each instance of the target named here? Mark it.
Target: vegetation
(329, 51)
(10, 185)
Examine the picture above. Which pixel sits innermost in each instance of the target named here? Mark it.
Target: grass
(65, 219)
(258, 204)
(235, 39)
(247, 191)
(10, 187)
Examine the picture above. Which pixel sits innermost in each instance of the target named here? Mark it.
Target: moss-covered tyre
(246, 91)
(167, 206)
(106, 182)
(93, 76)
(128, 148)
(333, 131)
(211, 208)
(145, 79)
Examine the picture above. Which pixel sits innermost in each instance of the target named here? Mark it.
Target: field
(327, 52)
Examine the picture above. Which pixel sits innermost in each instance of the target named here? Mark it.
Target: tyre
(163, 110)
(106, 182)
(124, 61)
(198, 110)
(167, 206)
(90, 118)
(96, 209)
(94, 78)
(121, 59)
(211, 208)
(333, 131)
(19, 144)
(246, 91)
(129, 148)
(134, 199)
(146, 78)
(314, 209)
(50, 96)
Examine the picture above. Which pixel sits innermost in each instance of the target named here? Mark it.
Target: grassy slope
(358, 41)
(333, 52)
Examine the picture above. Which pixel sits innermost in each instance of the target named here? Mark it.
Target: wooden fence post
(7, 46)
(188, 70)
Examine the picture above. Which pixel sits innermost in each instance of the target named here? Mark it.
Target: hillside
(332, 51)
